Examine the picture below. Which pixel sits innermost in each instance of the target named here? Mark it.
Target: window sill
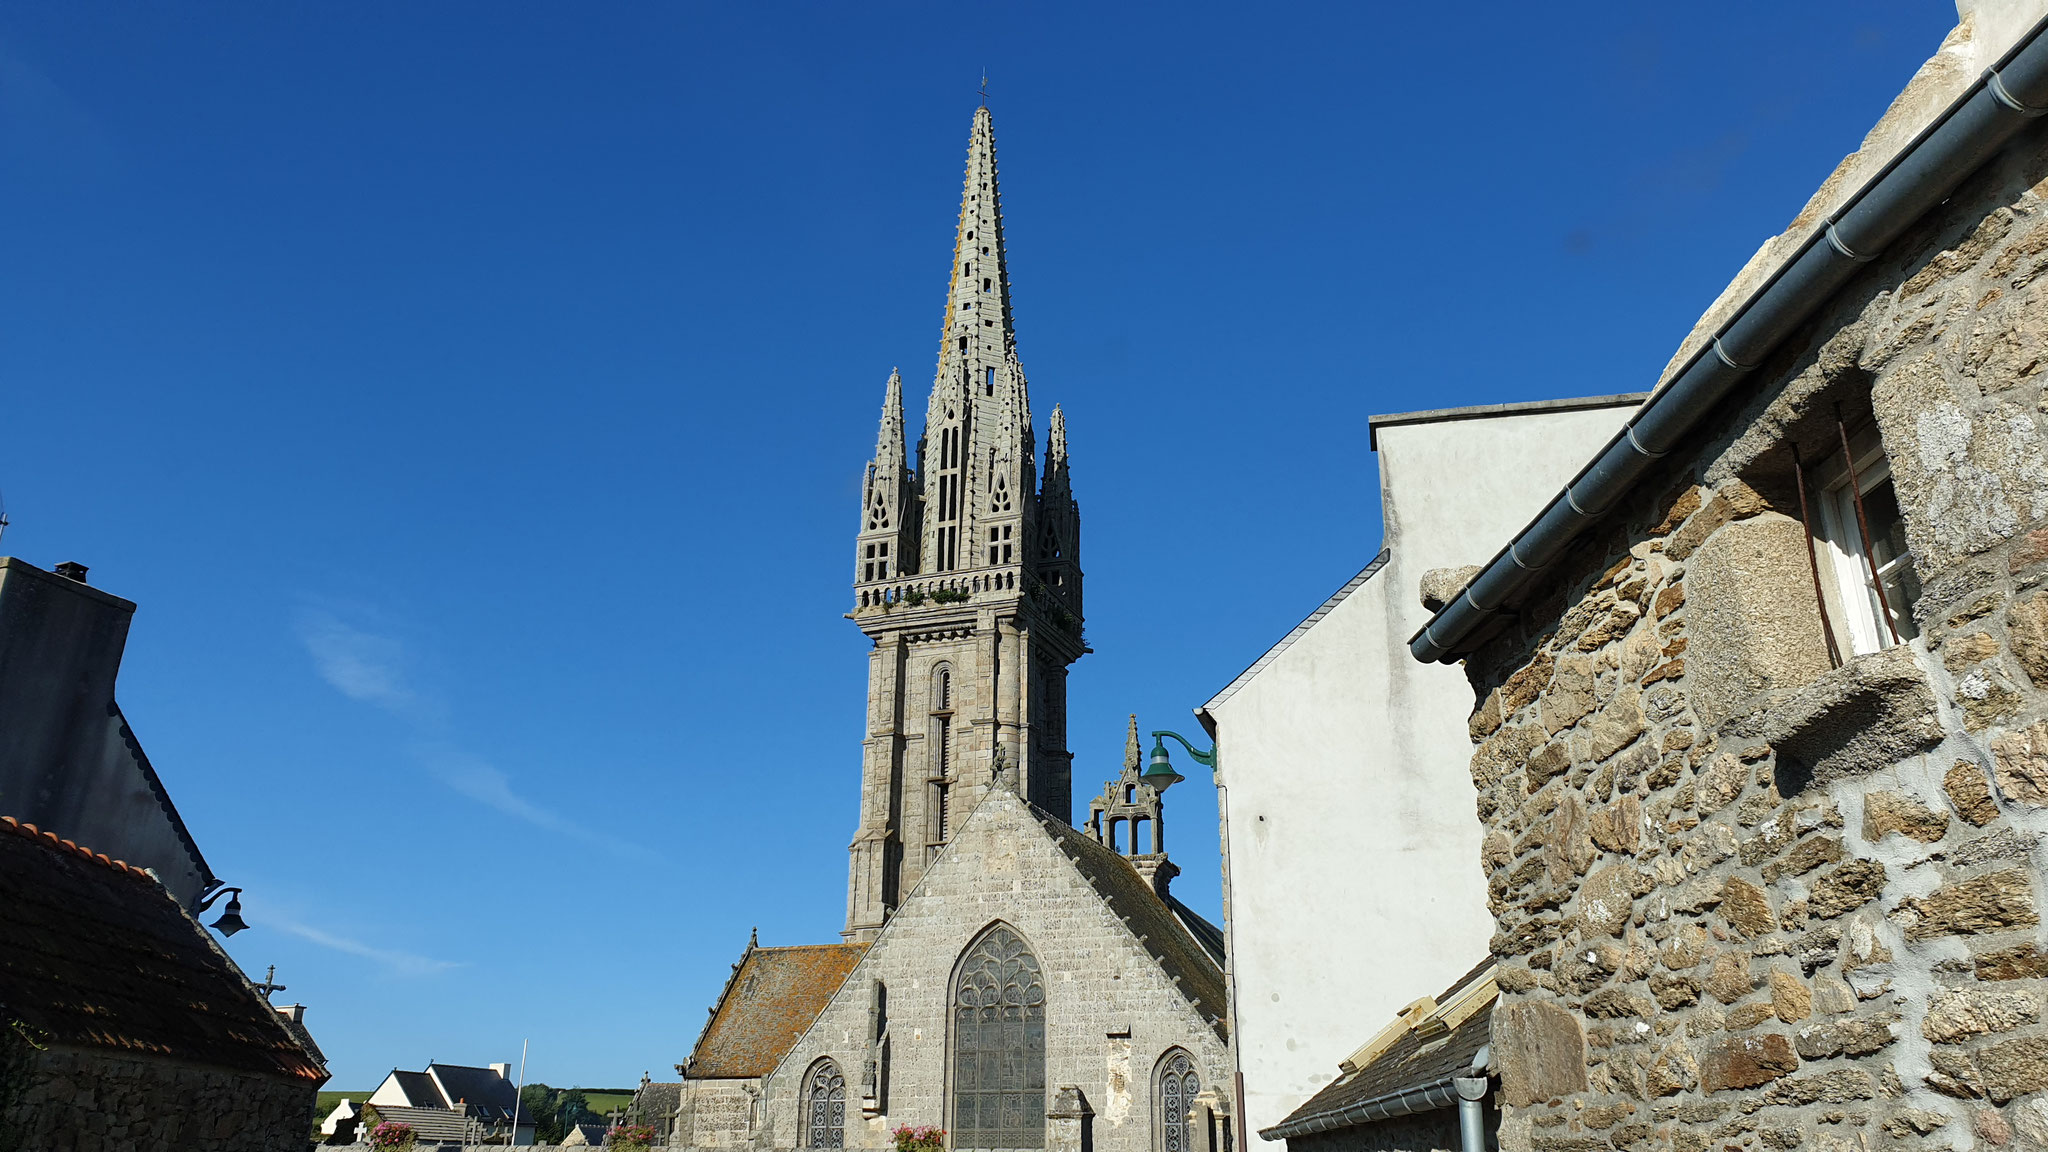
(1870, 713)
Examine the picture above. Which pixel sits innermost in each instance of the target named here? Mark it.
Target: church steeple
(974, 609)
(976, 460)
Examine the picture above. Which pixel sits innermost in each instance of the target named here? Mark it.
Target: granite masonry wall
(1744, 898)
(83, 1100)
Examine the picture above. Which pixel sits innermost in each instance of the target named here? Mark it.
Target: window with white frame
(1873, 588)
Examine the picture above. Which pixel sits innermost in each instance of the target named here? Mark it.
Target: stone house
(655, 1104)
(1338, 754)
(123, 1026)
(1762, 721)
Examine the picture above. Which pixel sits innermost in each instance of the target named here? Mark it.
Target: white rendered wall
(1353, 883)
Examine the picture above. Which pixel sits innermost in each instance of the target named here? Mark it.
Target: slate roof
(773, 996)
(1408, 1054)
(654, 1103)
(1157, 924)
(431, 1125)
(486, 1093)
(95, 953)
(419, 1088)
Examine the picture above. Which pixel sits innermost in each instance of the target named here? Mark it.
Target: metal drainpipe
(1471, 1118)
(2008, 97)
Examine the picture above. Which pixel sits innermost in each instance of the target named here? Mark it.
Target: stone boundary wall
(1746, 900)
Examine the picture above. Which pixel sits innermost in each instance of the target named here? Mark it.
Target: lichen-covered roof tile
(771, 999)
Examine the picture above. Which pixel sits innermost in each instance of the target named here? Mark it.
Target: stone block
(2024, 962)
(1970, 794)
(1870, 713)
(1730, 980)
(1959, 652)
(1849, 1036)
(1747, 908)
(1887, 812)
(1845, 888)
(2014, 1067)
(1618, 725)
(1440, 586)
(1993, 903)
(1752, 621)
(1790, 997)
(1570, 696)
(1977, 478)
(1618, 827)
(2020, 761)
(1746, 1061)
(1808, 855)
(1542, 1052)
(1974, 1010)
(1607, 899)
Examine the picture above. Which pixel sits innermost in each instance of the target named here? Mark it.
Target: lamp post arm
(1205, 759)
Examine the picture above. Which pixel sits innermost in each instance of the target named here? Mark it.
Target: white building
(1351, 856)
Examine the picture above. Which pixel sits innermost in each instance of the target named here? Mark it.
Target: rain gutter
(2010, 95)
(1442, 1092)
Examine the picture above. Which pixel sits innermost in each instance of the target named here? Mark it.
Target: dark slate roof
(1209, 936)
(1412, 1057)
(1158, 927)
(419, 1088)
(773, 996)
(95, 953)
(486, 1093)
(656, 1102)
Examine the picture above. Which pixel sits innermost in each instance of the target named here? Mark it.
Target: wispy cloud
(397, 962)
(370, 666)
(359, 664)
(485, 783)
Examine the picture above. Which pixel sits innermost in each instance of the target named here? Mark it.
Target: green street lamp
(1160, 774)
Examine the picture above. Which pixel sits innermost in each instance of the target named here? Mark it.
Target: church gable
(1017, 898)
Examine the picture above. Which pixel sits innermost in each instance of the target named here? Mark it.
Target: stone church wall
(85, 1100)
(1747, 900)
(717, 1113)
(1111, 1013)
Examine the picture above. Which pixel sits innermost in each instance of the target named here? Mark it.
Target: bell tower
(967, 577)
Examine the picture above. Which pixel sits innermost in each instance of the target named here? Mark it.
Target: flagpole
(518, 1095)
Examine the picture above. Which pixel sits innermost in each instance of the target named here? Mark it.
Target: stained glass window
(1178, 1084)
(999, 1046)
(825, 1107)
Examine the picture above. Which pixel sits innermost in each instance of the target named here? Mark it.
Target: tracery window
(999, 1045)
(1177, 1083)
(825, 1107)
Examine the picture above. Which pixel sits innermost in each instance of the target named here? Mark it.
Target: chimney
(72, 570)
(296, 1013)
(504, 1071)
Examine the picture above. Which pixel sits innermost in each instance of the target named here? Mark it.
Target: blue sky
(474, 398)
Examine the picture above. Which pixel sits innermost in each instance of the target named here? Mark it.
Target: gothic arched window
(941, 737)
(998, 1045)
(1174, 1087)
(825, 1106)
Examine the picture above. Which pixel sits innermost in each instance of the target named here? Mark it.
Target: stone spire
(976, 462)
(887, 545)
(1134, 752)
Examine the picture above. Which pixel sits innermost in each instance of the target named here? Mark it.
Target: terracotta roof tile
(95, 953)
(774, 994)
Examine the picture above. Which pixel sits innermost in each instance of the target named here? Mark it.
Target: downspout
(2008, 97)
(1471, 1118)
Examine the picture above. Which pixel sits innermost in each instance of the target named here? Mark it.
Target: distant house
(584, 1135)
(341, 1125)
(127, 1017)
(453, 1104)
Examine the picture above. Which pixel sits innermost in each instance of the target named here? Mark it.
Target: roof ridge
(32, 832)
